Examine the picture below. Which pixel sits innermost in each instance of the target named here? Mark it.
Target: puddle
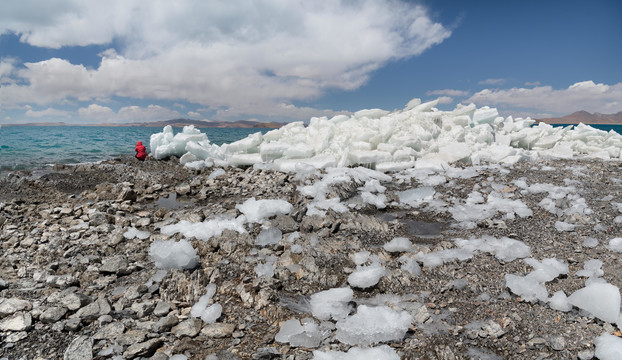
(420, 229)
(171, 203)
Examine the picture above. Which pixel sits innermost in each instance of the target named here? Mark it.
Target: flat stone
(143, 309)
(165, 323)
(218, 330)
(72, 324)
(75, 300)
(94, 310)
(16, 337)
(52, 314)
(81, 348)
(20, 321)
(115, 265)
(109, 331)
(13, 305)
(190, 328)
(162, 308)
(132, 337)
(142, 349)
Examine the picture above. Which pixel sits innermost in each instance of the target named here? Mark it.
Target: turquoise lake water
(31, 147)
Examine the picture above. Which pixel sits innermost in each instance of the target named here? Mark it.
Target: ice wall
(390, 141)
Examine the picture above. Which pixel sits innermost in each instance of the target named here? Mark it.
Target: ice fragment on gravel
(169, 254)
(414, 197)
(559, 301)
(256, 211)
(398, 244)
(564, 226)
(132, 233)
(383, 352)
(531, 286)
(372, 325)
(307, 334)
(332, 303)
(599, 299)
(608, 347)
(206, 229)
(367, 276)
(615, 244)
(269, 236)
(208, 313)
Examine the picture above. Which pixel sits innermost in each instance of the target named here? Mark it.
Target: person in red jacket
(141, 151)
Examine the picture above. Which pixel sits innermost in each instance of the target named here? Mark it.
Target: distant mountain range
(175, 123)
(586, 118)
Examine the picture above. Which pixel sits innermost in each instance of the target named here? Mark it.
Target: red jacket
(141, 151)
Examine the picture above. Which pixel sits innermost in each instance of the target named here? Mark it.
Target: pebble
(19, 321)
(79, 349)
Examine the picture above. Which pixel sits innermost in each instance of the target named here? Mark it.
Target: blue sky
(277, 60)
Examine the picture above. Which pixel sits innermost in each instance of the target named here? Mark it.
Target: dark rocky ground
(72, 286)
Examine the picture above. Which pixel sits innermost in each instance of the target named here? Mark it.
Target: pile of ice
(391, 141)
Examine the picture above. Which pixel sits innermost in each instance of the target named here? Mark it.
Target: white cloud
(535, 83)
(492, 82)
(584, 95)
(49, 112)
(448, 92)
(95, 112)
(220, 54)
(445, 100)
(194, 115)
(281, 111)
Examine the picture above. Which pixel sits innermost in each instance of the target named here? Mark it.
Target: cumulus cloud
(585, 95)
(221, 54)
(49, 112)
(97, 112)
(492, 82)
(445, 100)
(448, 92)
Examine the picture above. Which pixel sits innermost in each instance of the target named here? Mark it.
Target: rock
(585, 354)
(218, 330)
(109, 331)
(94, 310)
(52, 314)
(182, 189)
(136, 291)
(493, 329)
(20, 321)
(81, 348)
(165, 323)
(143, 309)
(162, 308)
(75, 300)
(132, 337)
(3, 284)
(190, 328)
(62, 281)
(115, 265)
(13, 305)
(285, 223)
(72, 324)
(128, 194)
(143, 349)
(15, 337)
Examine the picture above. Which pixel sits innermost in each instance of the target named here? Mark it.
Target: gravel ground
(73, 286)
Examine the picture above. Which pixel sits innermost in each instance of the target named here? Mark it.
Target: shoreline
(73, 246)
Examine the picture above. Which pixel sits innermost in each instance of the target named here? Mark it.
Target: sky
(124, 61)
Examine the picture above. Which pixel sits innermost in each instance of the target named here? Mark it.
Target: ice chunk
(269, 236)
(590, 242)
(169, 254)
(599, 299)
(267, 268)
(591, 268)
(531, 286)
(367, 276)
(608, 347)
(398, 244)
(615, 244)
(372, 325)
(216, 173)
(258, 210)
(414, 197)
(208, 313)
(206, 229)
(332, 303)
(383, 352)
(410, 265)
(132, 233)
(307, 334)
(559, 301)
(564, 226)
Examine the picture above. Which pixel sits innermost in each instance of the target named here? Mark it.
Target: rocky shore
(77, 280)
